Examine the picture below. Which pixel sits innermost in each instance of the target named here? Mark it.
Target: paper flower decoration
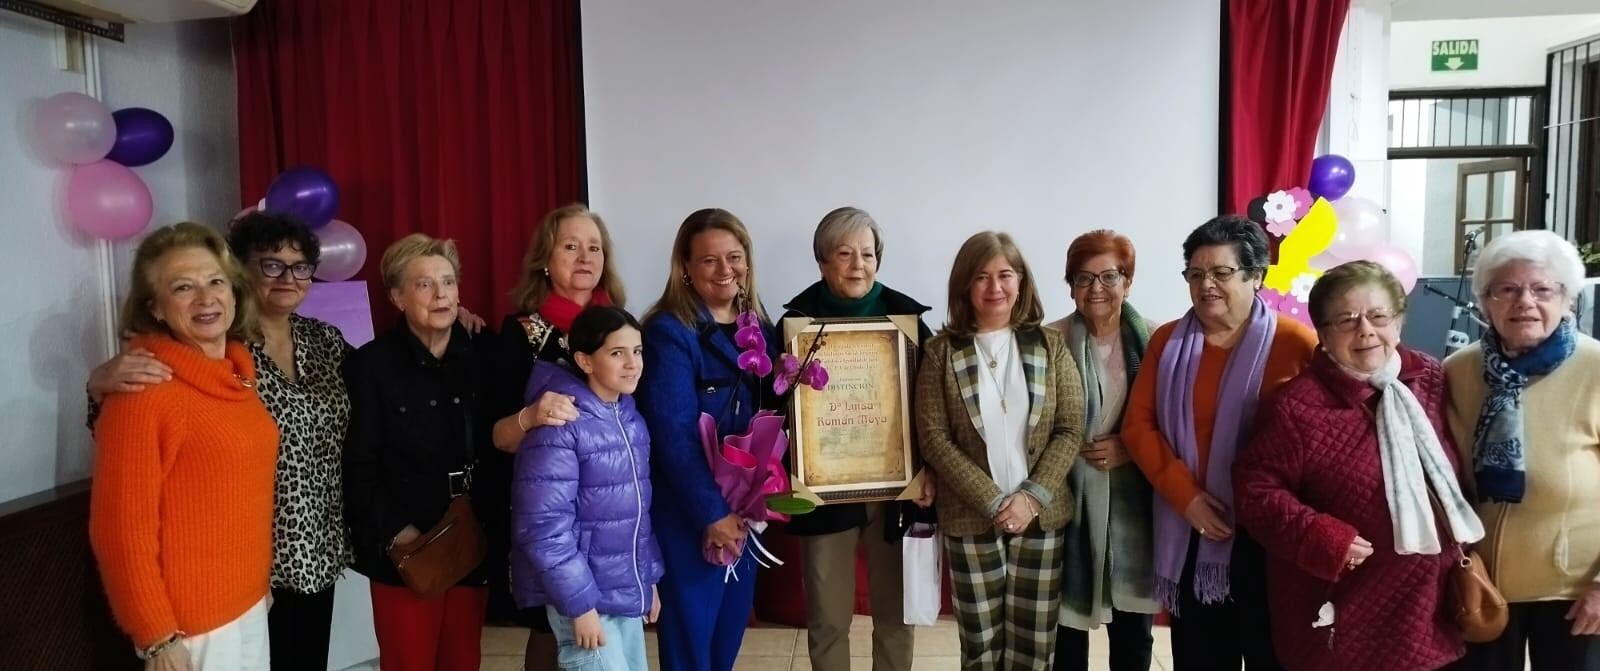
(1302, 201)
(1287, 304)
(1280, 207)
(1300, 288)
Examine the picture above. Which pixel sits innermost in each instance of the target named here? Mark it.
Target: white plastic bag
(923, 566)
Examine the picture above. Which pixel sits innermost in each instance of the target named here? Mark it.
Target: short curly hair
(266, 232)
(1249, 242)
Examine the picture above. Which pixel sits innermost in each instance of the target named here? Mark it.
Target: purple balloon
(106, 200)
(305, 193)
(344, 251)
(1332, 176)
(143, 136)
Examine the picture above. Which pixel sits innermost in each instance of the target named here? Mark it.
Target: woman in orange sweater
(181, 508)
(1187, 416)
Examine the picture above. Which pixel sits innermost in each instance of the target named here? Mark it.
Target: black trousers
(1217, 637)
(299, 625)
(1537, 634)
(1130, 644)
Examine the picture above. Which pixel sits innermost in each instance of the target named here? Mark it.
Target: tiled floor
(784, 649)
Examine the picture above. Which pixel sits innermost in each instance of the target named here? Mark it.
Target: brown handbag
(1471, 599)
(440, 558)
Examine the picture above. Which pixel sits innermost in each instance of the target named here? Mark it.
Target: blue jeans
(623, 649)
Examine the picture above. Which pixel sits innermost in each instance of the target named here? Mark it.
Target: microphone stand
(1464, 307)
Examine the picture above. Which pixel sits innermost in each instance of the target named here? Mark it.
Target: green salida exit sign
(1455, 55)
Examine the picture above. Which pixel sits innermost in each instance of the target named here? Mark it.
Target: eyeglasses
(1218, 274)
(1543, 292)
(1110, 279)
(273, 269)
(1346, 322)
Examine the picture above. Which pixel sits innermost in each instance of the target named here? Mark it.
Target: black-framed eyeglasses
(1507, 292)
(273, 269)
(1345, 322)
(1109, 279)
(1218, 274)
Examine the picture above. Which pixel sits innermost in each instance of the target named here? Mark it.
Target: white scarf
(1413, 460)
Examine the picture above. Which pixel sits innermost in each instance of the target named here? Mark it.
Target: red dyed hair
(1095, 243)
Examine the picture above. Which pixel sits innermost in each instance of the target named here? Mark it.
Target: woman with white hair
(1526, 414)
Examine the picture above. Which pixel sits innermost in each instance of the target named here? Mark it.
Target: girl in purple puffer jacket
(580, 503)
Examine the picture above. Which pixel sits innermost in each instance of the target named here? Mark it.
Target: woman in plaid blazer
(1000, 418)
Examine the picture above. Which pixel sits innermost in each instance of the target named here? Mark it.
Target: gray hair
(840, 223)
(1540, 247)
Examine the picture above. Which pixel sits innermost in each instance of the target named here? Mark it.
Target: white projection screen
(1044, 119)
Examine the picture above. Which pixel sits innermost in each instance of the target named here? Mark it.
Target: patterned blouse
(310, 549)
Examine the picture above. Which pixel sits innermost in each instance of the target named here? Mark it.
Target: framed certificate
(852, 441)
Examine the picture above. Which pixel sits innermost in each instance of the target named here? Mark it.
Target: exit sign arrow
(1454, 63)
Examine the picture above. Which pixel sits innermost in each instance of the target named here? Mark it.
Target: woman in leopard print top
(566, 269)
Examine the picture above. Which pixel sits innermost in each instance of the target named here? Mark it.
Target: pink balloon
(107, 200)
(242, 214)
(1362, 223)
(344, 251)
(1397, 261)
(73, 128)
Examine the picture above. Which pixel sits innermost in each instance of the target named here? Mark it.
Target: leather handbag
(440, 558)
(1471, 599)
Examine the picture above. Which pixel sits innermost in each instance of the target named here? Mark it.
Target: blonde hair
(975, 253)
(413, 247)
(534, 286)
(679, 299)
(136, 314)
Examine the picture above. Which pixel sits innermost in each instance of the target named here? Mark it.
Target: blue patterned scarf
(1498, 460)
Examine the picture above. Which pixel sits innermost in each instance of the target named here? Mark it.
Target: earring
(686, 281)
(546, 272)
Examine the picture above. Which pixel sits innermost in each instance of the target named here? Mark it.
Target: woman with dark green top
(849, 250)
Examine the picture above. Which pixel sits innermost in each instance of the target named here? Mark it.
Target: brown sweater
(956, 450)
(180, 513)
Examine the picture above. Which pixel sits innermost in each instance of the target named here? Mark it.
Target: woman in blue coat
(691, 367)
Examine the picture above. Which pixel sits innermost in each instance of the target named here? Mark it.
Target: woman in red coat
(1337, 486)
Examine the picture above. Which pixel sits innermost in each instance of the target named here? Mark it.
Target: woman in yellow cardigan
(1000, 419)
(1525, 412)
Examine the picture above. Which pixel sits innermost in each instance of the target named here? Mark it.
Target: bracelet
(155, 651)
(520, 425)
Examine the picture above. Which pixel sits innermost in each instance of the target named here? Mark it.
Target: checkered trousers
(1007, 590)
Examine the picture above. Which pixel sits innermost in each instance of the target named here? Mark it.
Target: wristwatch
(155, 650)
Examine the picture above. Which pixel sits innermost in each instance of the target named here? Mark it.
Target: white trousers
(240, 645)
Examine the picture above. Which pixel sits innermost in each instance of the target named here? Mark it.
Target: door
(1491, 199)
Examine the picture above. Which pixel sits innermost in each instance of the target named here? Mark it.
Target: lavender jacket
(580, 506)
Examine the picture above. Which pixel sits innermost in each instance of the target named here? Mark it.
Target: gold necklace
(994, 374)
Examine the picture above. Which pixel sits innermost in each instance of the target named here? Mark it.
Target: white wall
(1511, 51)
(1044, 119)
(60, 306)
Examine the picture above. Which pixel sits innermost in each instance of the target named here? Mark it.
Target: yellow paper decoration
(1309, 238)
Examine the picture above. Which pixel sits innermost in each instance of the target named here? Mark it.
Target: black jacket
(414, 419)
(837, 517)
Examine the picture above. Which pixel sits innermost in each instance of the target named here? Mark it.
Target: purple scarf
(1236, 407)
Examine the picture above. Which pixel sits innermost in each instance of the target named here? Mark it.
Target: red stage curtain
(460, 119)
(1278, 65)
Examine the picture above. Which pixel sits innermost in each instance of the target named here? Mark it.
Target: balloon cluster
(309, 194)
(105, 199)
(1321, 228)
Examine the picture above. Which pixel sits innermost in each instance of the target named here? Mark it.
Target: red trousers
(437, 634)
